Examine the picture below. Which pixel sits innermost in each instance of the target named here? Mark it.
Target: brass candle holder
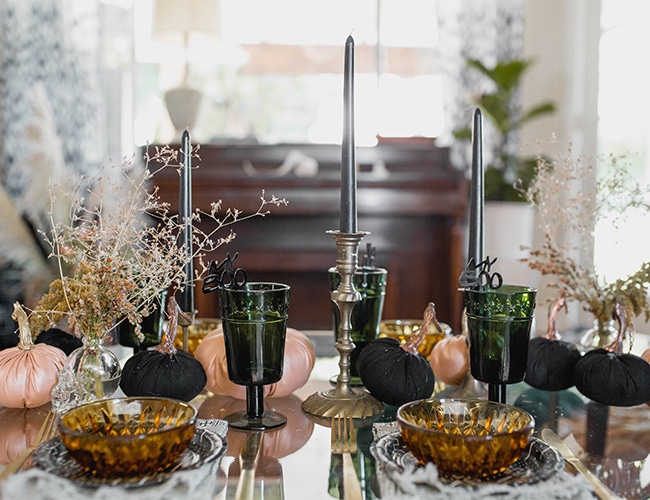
(343, 399)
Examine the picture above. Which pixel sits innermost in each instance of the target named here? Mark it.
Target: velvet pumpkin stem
(25, 342)
(621, 317)
(167, 344)
(553, 311)
(412, 344)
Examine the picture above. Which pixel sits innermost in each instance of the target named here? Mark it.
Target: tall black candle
(186, 297)
(348, 160)
(476, 206)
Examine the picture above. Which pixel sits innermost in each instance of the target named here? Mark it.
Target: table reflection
(19, 429)
(296, 462)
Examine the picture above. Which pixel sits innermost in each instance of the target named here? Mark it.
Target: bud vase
(91, 372)
(600, 335)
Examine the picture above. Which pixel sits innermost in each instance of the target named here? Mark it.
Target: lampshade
(186, 22)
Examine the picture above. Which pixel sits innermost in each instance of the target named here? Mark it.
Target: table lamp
(189, 23)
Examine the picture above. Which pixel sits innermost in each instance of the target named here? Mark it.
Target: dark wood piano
(410, 199)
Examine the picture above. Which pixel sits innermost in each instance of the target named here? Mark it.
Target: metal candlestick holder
(343, 399)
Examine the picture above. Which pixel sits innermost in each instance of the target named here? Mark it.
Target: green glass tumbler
(370, 282)
(499, 322)
(254, 319)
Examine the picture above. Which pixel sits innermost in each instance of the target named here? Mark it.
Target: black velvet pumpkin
(613, 379)
(396, 374)
(164, 371)
(155, 373)
(551, 361)
(551, 364)
(59, 338)
(392, 375)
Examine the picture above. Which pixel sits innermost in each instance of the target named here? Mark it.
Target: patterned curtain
(53, 44)
(51, 125)
(487, 30)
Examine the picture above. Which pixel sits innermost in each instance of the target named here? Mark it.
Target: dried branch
(114, 265)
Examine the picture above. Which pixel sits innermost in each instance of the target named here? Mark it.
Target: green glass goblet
(254, 319)
(499, 323)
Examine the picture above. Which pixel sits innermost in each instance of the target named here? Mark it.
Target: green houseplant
(503, 111)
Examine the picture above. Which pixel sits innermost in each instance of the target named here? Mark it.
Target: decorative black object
(224, 275)
(611, 378)
(59, 338)
(551, 361)
(165, 371)
(397, 373)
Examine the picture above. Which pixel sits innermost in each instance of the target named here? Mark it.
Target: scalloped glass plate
(539, 462)
(53, 457)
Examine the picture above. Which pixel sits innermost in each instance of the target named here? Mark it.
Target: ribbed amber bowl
(404, 329)
(128, 437)
(465, 437)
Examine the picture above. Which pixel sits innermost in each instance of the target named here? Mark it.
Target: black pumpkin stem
(412, 344)
(621, 317)
(167, 344)
(553, 311)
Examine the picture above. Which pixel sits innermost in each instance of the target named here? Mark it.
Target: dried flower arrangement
(114, 266)
(566, 209)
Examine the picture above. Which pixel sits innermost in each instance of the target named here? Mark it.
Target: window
(623, 125)
(277, 74)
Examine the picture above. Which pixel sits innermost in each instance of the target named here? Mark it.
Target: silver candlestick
(343, 399)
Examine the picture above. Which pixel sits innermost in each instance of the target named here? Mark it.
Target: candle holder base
(354, 403)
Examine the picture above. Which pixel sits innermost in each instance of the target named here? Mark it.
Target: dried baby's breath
(569, 212)
(114, 264)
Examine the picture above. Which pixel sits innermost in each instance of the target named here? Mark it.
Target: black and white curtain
(49, 59)
(51, 127)
(488, 30)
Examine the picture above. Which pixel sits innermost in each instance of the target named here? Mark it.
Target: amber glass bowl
(403, 329)
(465, 437)
(128, 437)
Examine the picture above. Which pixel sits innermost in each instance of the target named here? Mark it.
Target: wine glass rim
(260, 287)
(503, 290)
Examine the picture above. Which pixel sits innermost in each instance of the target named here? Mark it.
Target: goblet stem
(254, 401)
(493, 392)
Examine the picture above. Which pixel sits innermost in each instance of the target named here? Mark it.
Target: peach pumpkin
(299, 359)
(450, 359)
(28, 371)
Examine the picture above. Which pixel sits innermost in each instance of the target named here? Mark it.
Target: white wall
(563, 38)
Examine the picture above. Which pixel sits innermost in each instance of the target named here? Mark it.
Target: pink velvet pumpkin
(299, 359)
(449, 359)
(28, 371)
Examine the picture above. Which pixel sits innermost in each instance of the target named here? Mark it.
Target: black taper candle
(348, 154)
(186, 296)
(476, 207)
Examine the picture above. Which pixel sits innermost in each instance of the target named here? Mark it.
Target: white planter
(508, 227)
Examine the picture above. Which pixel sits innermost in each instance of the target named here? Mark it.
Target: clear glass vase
(600, 335)
(91, 372)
